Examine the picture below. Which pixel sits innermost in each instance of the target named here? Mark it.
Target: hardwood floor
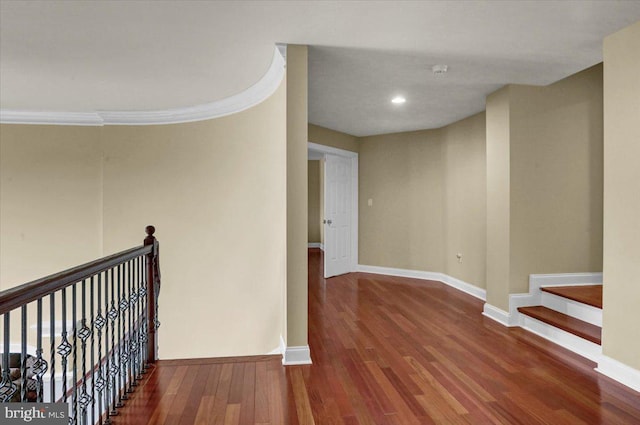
(249, 390)
(390, 351)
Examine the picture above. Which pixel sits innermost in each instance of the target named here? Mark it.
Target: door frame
(353, 156)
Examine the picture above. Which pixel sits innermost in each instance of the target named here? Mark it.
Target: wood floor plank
(222, 395)
(194, 392)
(276, 391)
(303, 407)
(237, 381)
(261, 406)
(232, 414)
(205, 406)
(247, 413)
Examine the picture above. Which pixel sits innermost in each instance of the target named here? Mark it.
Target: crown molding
(282, 48)
(50, 118)
(252, 96)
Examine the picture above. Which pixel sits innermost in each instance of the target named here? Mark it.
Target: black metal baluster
(40, 366)
(139, 318)
(93, 353)
(119, 345)
(129, 333)
(107, 354)
(123, 304)
(52, 343)
(84, 333)
(64, 348)
(23, 354)
(113, 371)
(74, 399)
(7, 387)
(140, 315)
(134, 312)
(98, 324)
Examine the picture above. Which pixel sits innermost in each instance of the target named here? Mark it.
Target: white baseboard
(293, 356)
(564, 279)
(280, 349)
(576, 309)
(521, 300)
(496, 314)
(512, 317)
(418, 274)
(315, 245)
(465, 287)
(620, 372)
(571, 342)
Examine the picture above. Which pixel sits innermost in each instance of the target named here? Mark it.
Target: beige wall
(621, 333)
(556, 177)
(498, 198)
(428, 194)
(402, 174)
(336, 139)
(551, 188)
(50, 200)
(314, 224)
(215, 190)
(464, 156)
(50, 205)
(296, 183)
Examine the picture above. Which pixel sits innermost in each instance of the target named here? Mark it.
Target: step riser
(572, 308)
(567, 340)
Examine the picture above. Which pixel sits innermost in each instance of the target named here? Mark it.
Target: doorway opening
(338, 215)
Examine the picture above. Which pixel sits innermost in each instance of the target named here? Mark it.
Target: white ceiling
(120, 55)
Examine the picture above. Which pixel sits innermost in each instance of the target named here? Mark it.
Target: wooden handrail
(123, 314)
(13, 298)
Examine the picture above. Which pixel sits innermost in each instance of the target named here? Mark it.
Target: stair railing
(101, 330)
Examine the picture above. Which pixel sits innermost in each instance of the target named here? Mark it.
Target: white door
(337, 215)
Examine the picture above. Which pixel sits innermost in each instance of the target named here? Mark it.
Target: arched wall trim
(253, 95)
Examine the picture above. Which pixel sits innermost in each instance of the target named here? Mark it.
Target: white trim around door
(354, 194)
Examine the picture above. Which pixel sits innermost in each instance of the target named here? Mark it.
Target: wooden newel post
(153, 290)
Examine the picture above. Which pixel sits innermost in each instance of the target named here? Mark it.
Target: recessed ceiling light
(398, 100)
(439, 69)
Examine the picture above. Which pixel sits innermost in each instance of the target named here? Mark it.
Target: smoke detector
(439, 69)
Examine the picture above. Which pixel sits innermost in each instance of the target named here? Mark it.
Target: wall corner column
(621, 251)
(498, 199)
(297, 348)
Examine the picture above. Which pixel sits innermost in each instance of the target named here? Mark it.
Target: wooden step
(586, 294)
(566, 323)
